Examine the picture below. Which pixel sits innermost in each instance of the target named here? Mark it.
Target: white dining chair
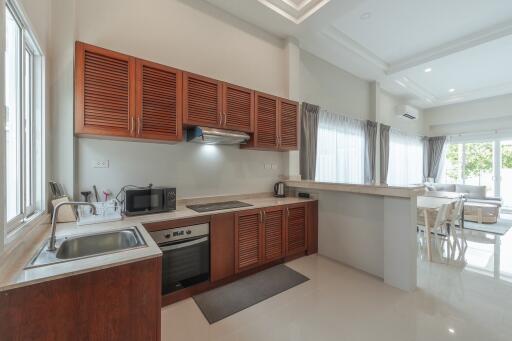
(454, 222)
(436, 227)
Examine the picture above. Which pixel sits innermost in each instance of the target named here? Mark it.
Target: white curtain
(405, 159)
(340, 149)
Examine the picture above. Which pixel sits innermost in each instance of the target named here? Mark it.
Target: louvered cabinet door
(238, 108)
(202, 101)
(296, 235)
(288, 125)
(248, 239)
(273, 232)
(265, 135)
(158, 102)
(104, 92)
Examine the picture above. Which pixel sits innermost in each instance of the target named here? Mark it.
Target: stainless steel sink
(90, 245)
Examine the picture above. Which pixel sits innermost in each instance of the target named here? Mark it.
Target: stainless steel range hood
(216, 136)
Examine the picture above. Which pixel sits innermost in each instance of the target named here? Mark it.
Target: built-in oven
(186, 256)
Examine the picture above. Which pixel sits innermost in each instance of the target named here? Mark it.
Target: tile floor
(467, 296)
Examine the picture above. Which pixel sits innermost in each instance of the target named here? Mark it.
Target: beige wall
(196, 37)
(332, 88)
(475, 116)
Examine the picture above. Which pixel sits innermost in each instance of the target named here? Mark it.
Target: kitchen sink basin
(90, 245)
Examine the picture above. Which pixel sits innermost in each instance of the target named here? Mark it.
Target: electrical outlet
(273, 166)
(100, 164)
(268, 166)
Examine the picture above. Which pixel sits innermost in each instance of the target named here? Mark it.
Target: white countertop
(14, 275)
(379, 190)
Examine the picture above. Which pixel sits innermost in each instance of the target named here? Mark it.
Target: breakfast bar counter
(369, 227)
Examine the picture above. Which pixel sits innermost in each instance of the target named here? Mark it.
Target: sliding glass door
(505, 176)
(487, 163)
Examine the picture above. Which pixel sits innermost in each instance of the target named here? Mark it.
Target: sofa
(471, 193)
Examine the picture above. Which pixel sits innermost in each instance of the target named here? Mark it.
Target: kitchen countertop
(379, 190)
(14, 275)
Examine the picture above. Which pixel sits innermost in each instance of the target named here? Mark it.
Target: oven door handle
(182, 245)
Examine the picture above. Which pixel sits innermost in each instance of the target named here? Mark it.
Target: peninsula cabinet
(121, 96)
(277, 124)
(118, 303)
(212, 103)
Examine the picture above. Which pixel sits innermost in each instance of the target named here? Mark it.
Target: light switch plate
(100, 164)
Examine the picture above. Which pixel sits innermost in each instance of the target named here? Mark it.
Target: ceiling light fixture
(451, 90)
(366, 16)
(429, 69)
(451, 330)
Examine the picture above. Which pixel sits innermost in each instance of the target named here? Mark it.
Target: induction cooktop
(217, 206)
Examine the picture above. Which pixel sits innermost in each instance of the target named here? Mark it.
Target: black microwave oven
(149, 200)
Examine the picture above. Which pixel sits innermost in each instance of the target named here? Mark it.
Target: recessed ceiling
(466, 45)
(294, 10)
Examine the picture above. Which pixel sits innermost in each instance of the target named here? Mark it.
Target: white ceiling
(466, 43)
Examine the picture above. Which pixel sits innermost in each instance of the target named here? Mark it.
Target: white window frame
(36, 110)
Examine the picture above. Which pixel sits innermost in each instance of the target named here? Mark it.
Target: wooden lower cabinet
(273, 233)
(248, 239)
(296, 229)
(222, 246)
(119, 303)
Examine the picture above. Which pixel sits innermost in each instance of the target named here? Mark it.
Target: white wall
(196, 37)
(475, 116)
(332, 88)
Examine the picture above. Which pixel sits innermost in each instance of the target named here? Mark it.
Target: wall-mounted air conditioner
(407, 111)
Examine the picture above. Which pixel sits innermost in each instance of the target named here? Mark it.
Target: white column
(400, 245)
(293, 66)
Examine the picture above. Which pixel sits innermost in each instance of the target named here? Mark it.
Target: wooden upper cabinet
(273, 233)
(159, 102)
(265, 130)
(202, 101)
(237, 108)
(104, 91)
(277, 124)
(288, 125)
(248, 239)
(296, 228)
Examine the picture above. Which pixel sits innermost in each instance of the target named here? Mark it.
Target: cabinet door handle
(220, 119)
(138, 126)
(132, 128)
(225, 119)
(261, 217)
(288, 212)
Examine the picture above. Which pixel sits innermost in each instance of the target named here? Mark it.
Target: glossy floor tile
(465, 294)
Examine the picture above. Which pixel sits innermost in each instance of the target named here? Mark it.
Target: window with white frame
(340, 149)
(405, 159)
(24, 120)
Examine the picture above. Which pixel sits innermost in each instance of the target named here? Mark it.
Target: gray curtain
(308, 140)
(425, 158)
(384, 153)
(370, 132)
(435, 152)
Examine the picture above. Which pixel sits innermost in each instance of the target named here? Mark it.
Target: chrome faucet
(51, 244)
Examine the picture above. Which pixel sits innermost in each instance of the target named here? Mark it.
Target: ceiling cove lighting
(293, 10)
(429, 69)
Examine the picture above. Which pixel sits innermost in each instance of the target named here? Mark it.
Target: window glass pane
(13, 120)
(453, 164)
(506, 173)
(478, 165)
(28, 119)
